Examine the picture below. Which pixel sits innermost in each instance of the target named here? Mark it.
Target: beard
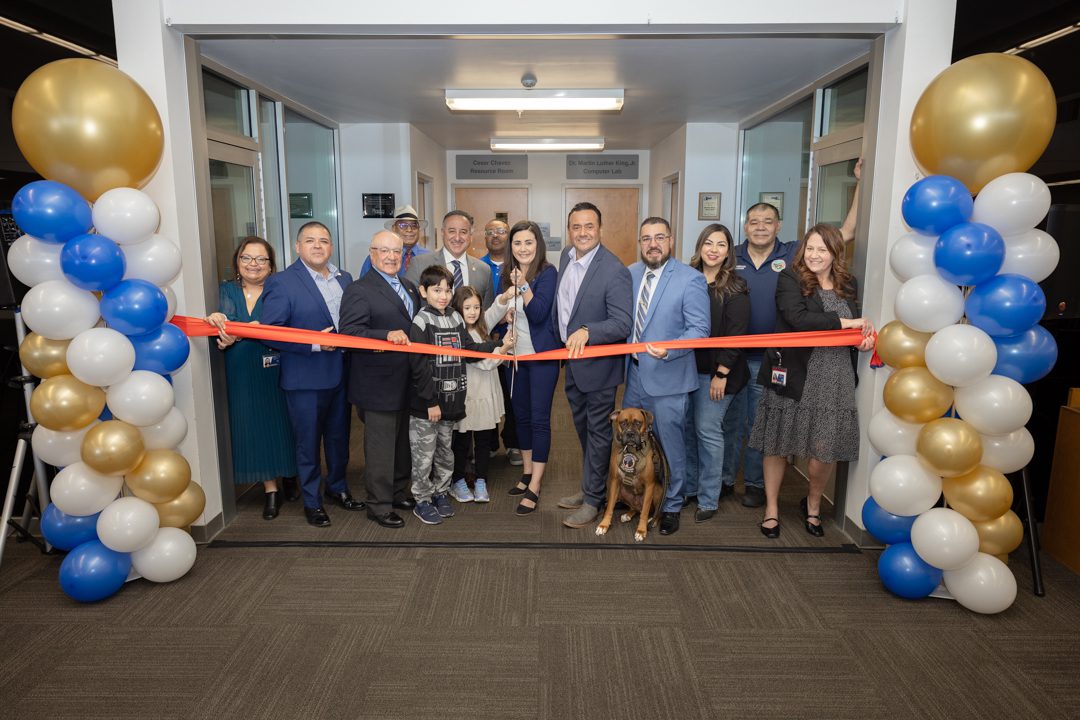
(655, 265)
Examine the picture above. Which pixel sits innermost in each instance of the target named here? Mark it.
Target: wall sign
(492, 167)
(378, 205)
(601, 167)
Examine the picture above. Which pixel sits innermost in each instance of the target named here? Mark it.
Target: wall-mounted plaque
(300, 205)
(492, 167)
(708, 206)
(601, 167)
(776, 199)
(378, 205)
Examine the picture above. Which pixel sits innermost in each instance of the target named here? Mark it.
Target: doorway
(620, 208)
(509, 204)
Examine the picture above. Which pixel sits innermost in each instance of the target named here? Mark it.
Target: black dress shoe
(815, 530)
(770, 532)
(405, 504)
(389, 520)
(701, 516)
(317, 517)
(726, 491)
(345, 500)
(271, 505)
(291, 486)
(669, 523)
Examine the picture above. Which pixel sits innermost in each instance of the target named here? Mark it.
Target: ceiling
(668, 81)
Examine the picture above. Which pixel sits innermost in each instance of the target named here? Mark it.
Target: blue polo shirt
(762, 284)
(496, 271)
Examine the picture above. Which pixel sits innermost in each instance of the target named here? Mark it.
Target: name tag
(779, 376)
(271, 360)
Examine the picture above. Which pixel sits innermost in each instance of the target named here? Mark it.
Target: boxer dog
(638, 473)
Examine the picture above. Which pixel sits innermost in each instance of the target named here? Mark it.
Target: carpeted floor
(494, 616)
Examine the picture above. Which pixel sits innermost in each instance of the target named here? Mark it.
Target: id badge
(271, 360)
(779, 376)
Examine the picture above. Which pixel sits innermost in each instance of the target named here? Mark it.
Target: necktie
(643, 306)
(458, 280)
(396, 284)
(408, 257)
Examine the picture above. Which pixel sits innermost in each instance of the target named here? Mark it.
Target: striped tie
(408, 257)
(402, 294)
(643, 306)
(458, 281)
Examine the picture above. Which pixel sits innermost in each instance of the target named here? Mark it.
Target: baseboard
(862, 539)
(205, 533)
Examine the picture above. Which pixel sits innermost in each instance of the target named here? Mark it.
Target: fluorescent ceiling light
(519, 144)
(33, 32)
(1049, 37)
(535, 99)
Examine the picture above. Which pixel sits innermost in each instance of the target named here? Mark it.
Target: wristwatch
(524, 288)
(721, 375)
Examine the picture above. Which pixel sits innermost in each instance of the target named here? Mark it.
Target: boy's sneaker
(480, 493)
(513, 456)
(427, 513)
(443, 506)
(460, 491)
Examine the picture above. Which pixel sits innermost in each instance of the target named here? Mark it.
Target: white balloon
(168, 557)
(996, 405)
(1012, 203)
(81, 490)
(904, 486)
(960, 355)
(1033, 254)
(156, 260)
(892, 436)
(100, 356)
(166, 434)
(142, 398)
(984, 585)
(58, 310)
(928, 303)
(170, 299)
(913, 255)
(127, 524)
(125, 215)
(59, 448)
(1008, 453)
(944, 538)
(33, 261)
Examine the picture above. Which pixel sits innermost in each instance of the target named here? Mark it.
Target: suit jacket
(479, 272)
(678, 310)
(795, 313)
(291, 299)
(378, 379)
(604, 304)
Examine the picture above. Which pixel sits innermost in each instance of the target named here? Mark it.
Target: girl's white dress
(483, 396)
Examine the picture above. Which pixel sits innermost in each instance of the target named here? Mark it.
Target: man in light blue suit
(671, 302)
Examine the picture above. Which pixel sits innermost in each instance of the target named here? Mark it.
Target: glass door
(833, 183)
(233, 195)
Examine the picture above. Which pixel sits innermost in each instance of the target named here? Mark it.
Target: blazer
(678, 310)
(795, 313)
(379, 380)
(729, 315)
(291, 299)
(603, 304)
(479, 272)
(538, 311)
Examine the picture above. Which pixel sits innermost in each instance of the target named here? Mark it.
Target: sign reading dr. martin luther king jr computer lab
(603, 167)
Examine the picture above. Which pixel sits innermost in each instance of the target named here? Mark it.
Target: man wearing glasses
(308, 295)
(457, 228)
(671, 302)
(496, 235)
(407, 226)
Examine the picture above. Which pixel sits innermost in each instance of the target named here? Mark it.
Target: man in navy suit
(381, 306)
(592, 307)
(671, 302)
(307, 295)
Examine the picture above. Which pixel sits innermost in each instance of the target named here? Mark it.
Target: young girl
(483, 404)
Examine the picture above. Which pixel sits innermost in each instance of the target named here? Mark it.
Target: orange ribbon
(197, 327)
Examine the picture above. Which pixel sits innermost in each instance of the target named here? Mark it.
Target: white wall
(668, 157)
(429, 157)
(712, 165)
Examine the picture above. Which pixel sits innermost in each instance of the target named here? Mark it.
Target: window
(226, 105)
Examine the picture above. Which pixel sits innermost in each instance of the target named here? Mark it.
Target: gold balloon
(43, 357)
(160, 477)
(914, 395)
(65, 403)
(184, 510)
(980, 495)
(1003, 558)
(1001, 535)
(982, 117)
(949, 446)
(899, 346)
(113, 447)
(88, 125)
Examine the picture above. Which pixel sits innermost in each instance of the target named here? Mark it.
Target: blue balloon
(93, 572)
(936, 203)
(92, 262)
(1005, 305)
(906, 574)
(67, 532)
(969, 253)
(1026, 357)
(134, 307)
(106, 414)
(51, 211)
(162, 351)
(886, 527)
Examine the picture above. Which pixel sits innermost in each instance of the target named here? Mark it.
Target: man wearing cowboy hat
(406, 225)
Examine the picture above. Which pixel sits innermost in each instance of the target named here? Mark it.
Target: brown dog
(638, 473)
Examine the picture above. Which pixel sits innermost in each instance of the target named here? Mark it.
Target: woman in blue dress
(263, 448)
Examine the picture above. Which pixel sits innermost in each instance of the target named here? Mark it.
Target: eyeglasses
(650, 239)
(498, 231)
(387, 251)
(261, 261)
(407, 225)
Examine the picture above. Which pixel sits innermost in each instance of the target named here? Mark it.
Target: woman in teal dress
(263, 448)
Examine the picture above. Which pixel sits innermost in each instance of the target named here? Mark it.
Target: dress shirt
(464, 260)
(395, 283)
(570, 283)
(331, 292)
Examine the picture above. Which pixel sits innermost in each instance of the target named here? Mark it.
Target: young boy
(439, 398)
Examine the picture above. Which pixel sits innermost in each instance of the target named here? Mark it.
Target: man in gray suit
(467, 270)
(592, 307)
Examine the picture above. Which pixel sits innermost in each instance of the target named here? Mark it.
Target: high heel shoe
(770, 532)
(523, 485)
(531, 497)
(815, 530)
(291, 486)
(271, 505)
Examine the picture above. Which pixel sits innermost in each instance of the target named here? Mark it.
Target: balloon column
(964, 354)
(98, 308)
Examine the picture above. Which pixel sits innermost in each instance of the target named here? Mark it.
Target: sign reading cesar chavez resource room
(612, 167)
(492, 167)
